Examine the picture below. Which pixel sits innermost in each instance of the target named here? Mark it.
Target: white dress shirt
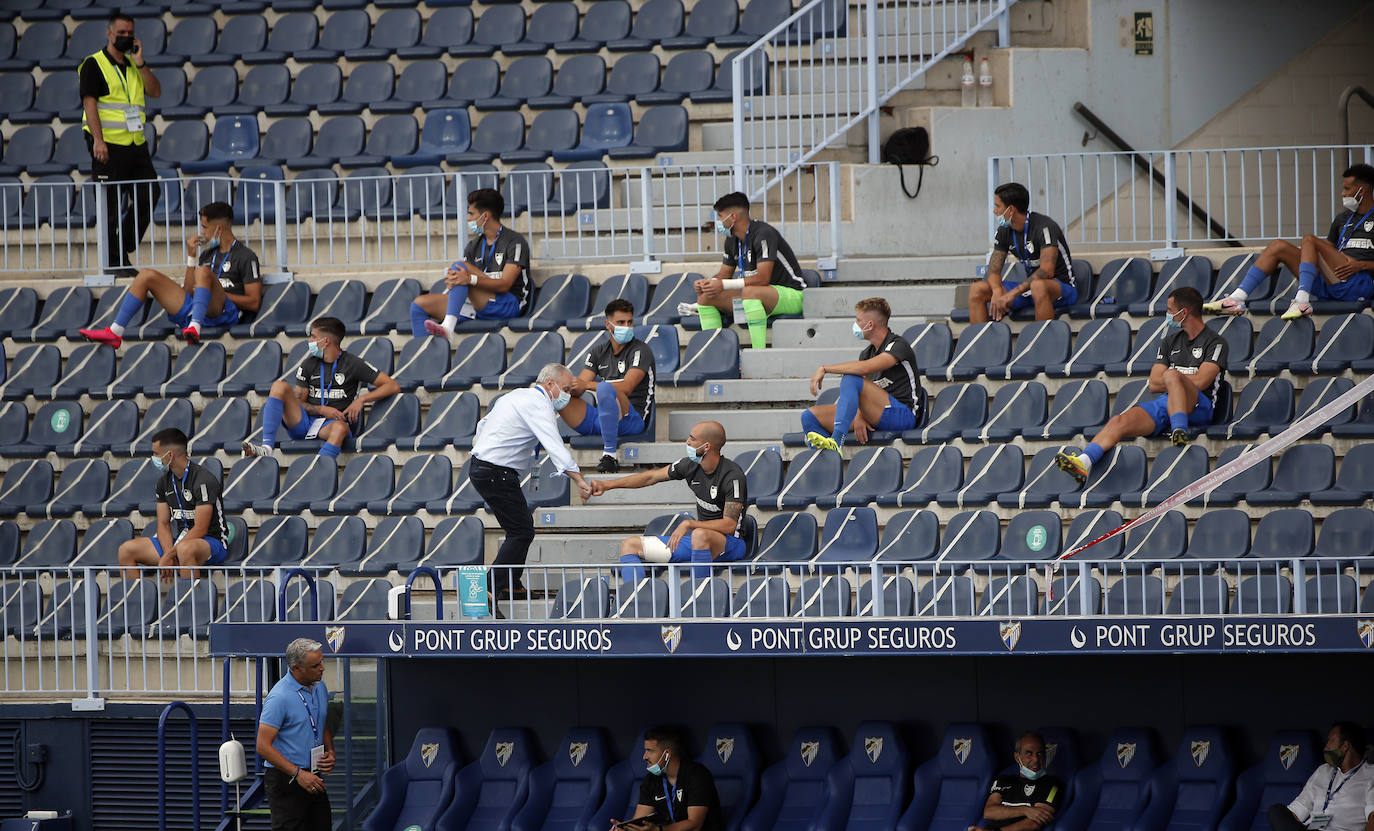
(1351, 799)
(518, 422)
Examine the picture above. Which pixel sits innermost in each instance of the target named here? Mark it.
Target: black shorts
(294, 808)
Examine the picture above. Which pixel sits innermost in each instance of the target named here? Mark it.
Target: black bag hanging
(909, 145)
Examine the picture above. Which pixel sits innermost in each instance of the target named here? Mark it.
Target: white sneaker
(686, 309)
(260, 450)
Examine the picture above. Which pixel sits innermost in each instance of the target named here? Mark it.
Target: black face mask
(124, 43)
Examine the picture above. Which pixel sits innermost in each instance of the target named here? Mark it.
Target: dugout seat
(1111, 794)
(951, 788)
(565, 792)
(1191, 792)
(489, 792)
(415, 791)
(1278, 778)
(869, 787)
(794, 790)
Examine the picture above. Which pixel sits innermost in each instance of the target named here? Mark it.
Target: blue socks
(847, 406)
(608, 414)
(417, 320)
(1178, 421)
(200, 304)
(1094, 452)
(128, 307)
(811, 424)
(457, 296)
(329, 451)
(271, 421)
(1253, 277)
(1307, 277)
(701, 563)
(633, 570)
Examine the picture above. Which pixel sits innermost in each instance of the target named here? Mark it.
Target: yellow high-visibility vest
(125, 89)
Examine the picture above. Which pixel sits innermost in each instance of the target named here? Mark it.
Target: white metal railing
(635, 214)
(1166, 197)
(813, 77)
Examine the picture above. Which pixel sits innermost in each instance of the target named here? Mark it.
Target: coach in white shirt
(503, 449)
(1339, 795)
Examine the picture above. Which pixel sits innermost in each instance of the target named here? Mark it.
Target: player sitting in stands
(1028, 799)
(1188, 376)
(1345, 258)
(1331, 801)
(758, 267)
(492, 282)
(324, 403)
(625, 394)
(1038, 242)
(189, 506)
(720, 488)
(676, 793)
(879, 391)
(222, 283)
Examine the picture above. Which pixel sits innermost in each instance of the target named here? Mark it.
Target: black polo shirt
(695, 787)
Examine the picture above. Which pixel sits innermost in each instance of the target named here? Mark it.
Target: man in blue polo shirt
(296, 744)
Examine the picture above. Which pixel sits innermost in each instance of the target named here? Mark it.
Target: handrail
(433, 575)
(314, 594)
(1343, 107)
(162, 765)
(1143, 164)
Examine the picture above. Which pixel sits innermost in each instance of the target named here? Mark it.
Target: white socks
(450, 323)
(1302, 297)
(1239, 295)
(117, 329)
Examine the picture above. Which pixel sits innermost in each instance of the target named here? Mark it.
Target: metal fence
(811, 78)
(1170, 198)
(92, 633)
(639, 215)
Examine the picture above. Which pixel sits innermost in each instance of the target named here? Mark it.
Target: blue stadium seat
(991, 471)
(623, 778)
(64, 309)
(763, 471)
(909, 536)
(662, 341)
(267, 85)
(234, 142)
(292, 34)
(755, 80)
(710, 20)
(1362, 426)
(1222, 534)
(1354, 482)
(475, 357)
(1192, 790)
(65, 615)
(1342, 341)
(50, 543)
(655, 20)
(496, 27)
(182, 141)
(872, 473)
(446, 130)
(416, 790)
(560, 297)
(828, 20)
(315, 86)
(758, 17)
(1111, 794)
(337, 541)
(1078, 406)
(812, 474)
(457, 541)
(191, 39)
(1278, 778)
(669, 291)
(631, 287)
(709, 354)
(279, 541)
(565, 792)
(243, 34)
(390, 421)
(16, 95)
(1302, 470)
(794, 790)
(1101, 343)
(11, 199)
(1121, 471)
(1041, 344)
(41, 43)
(54, 99)
(1279, 344)
(55, 423)
(1163, 538)
(661, 129)
(956, 408)
(224, 424)
(971, 535)
(129, 605)
(534, 349)
(824, 597)
(250, 601)
(945, 596)
(389, 307)
(451, 421)
(868, 789)
(1120, 283)
(604, 22)
(287, 138)
(14, 422)
(1265, 594)
(423, 479)
(255, 196)
(308, 479)
(1171, 470)
(421, 83)
(88, 365)
(491, 790)
(366, 83)
(1200, 594)
(645, 601)
(1077, 595)
(390, 136)
(580, 79)
(1263, 403)
(213, 87)
(196, 365)
(605, 126)
(932, 342)
(99, 544)
(162, 413)
(582, 186)
(788, 538)
(396, 29)
(83, 482)
(1032, 535)
(18, 308)
(582, 599)
(395, 544)
(980, 346)
(551, 23)
(1191, 271)
(1283, 534)
(497, 133)
(248, 479)
(709, 598)
(1238, 333)
(132, 490)
(445, 27)
(187, 609)
(111, 422)
(951, 788)
(475, 79)
(1318, 393)
(850, 535)
(898, 597)
(1010, 597)
(1135, 594)
(283, 304)
(1143, 351)
(422, 362)
(143, 366)
(366, 477)
(302, 604)
(338, 138)
(1018, 406)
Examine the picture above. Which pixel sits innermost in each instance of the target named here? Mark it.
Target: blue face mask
(622, 334)
(858, 332)
(562, 400)
(158, 464)
(693, 454)
(658, 769)
(1002, 220)
(1173, 323)
(473, 228)
(1031, 774)
(314, 349)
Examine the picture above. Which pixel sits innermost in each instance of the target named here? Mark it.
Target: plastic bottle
(984, 84)
(968, 86)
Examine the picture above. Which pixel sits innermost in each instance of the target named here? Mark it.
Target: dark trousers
(500, 488)
(1282, 819)
(293, 807)
(128, 208)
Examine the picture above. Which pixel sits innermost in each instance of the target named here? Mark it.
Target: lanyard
(215, 265)
(314, 731)
(669, 793)
(743, 252)
(176, 491)
(1330, 794)
(1021, 246)
(1349, 228)
(324, 391)
(124, 82)
(488, 252)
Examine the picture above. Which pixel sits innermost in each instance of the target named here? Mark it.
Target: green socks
(710, 316)
(757, 317)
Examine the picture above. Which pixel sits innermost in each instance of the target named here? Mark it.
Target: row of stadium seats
(816, 786)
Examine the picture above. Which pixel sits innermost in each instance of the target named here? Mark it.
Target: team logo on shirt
(672, 636)
(499, 258)
(1125, 752)
(334, 636)
(962, 748)
(338, 377)
(713, 491)
(809, 751)
(186, 494)
(1369, 226)
(428, 752)
(620, 366)
(1197, 352)
(1287, 754)
(873, 746)
(1200, 751)
(1028, 789)
(1366, 630)
(725, 748)
(577, 751)
(1011, 633)
(503, 752)
(225, 267)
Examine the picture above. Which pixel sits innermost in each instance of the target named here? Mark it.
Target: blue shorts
(228, 317)
(302, 427)
(896, 417)
(1359, 288)
(218, 553)
(1158, 408)
(734, 550)
(631, 424)
(503, 306)
(1068, 295)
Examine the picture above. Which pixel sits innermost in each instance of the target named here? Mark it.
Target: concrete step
(954, 269)
(665, 453)
(588, 517)
(830, 333)
(573, 549)
(786, 138)
(838, 302)
(697, 189)
(758, 425)
(761, 390)
(844, 82)
(664, 493)
(794, 364)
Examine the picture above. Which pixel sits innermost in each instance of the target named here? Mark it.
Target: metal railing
(91, 633)
(1253, 194)
(640, 215)
(813, 77)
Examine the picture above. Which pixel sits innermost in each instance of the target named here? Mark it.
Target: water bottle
(984, 84)
(968, 92)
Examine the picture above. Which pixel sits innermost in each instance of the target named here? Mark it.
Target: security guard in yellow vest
(114, 84)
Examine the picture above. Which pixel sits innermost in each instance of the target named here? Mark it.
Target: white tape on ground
(1243, 462)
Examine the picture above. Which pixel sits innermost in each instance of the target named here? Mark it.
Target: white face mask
(1352, 203)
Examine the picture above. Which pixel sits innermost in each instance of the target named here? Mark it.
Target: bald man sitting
(719, 486)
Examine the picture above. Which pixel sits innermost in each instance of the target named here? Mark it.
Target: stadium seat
(1354, 482)
(709, 598)
(1010, 597)
(898, 598)
(213, 88)
(872, 473)
(21, 602)
(1279, 344)
(395, 544)
(1041, 344)
(1078, 407)
(850, 535)
(992, 470)
(945, 596)
(661, 129)
(793, 791)
(1080, 595)
(55, 424)
(366, 477)
(389, 307)
(445, 27)
(755, 80)
(64, 310)
(242, 35)
(421, 83)
(497, 133)
(187, 609)
(496, 27)
(644, 601)
(292, 34)
(566, 791)
(582, 599)
(490, 791)
(337, 542)
(1222, 534)
(287, 138)
(16, 92)
(301, 604)
(580, 78)
(1362, 426)
(560, 297)
(283, 304)
(1018, 406)
(163, 413)
(475, 79)
(1172, 469)
(255, 196)
(687, 73)
(655, 21)
(129, 605)
(709, 21)
(812, 474)
(111, 422)
(64, 617)
(582, 186)
(534, 349)
(981, 345)
(604, 126)
(763, 471)
(1198, 594)
(457, 541)
(1302, 470)
(758, 17)
(83, 482)
(631, 287)
(279, 541)
(182, 141)
(196, 365)
(422, 479)
(234, 142)
(788, 538)
(1277, 779)
(249, 479)
(475, 357)
(1326, 594)
(446, 130)
(415, 791)
(366, 83)
(1190, 271)
(390, 421)
(951, 788)
(1135, 594)
(1318, 393)
(604, 22)
(824, 597)
(909, 536)
(315, 86)
(1193, 790)
(1255, 479)
(1111, 794)
(18, 308)
(1143, 351)
(1163, 538)
(50, 543)
(28, 146)
(868, 789)
(1032, 535)
(1263, 594)
(1120, 283)
(1342, 341)
(338, 138)
(670, 290)
(190, 40)
(396, 29)
(1101, 343)
(1120, 471)
(88, 365)
(41, 43)
(971, 535)
(710, 354)
(422, 362)
(132, 490)
(956, 408)
(551, 23)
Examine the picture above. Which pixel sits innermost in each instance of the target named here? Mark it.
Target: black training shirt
(902, 380)
(1040, 233)
(337, 384)
(183, 496)
(695, 787)
(234, 268)
(1187, 356)
(609, 366)
(1353, 234)
(765, 245)
(727, 483)
(1017, 791)
(509, 247)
